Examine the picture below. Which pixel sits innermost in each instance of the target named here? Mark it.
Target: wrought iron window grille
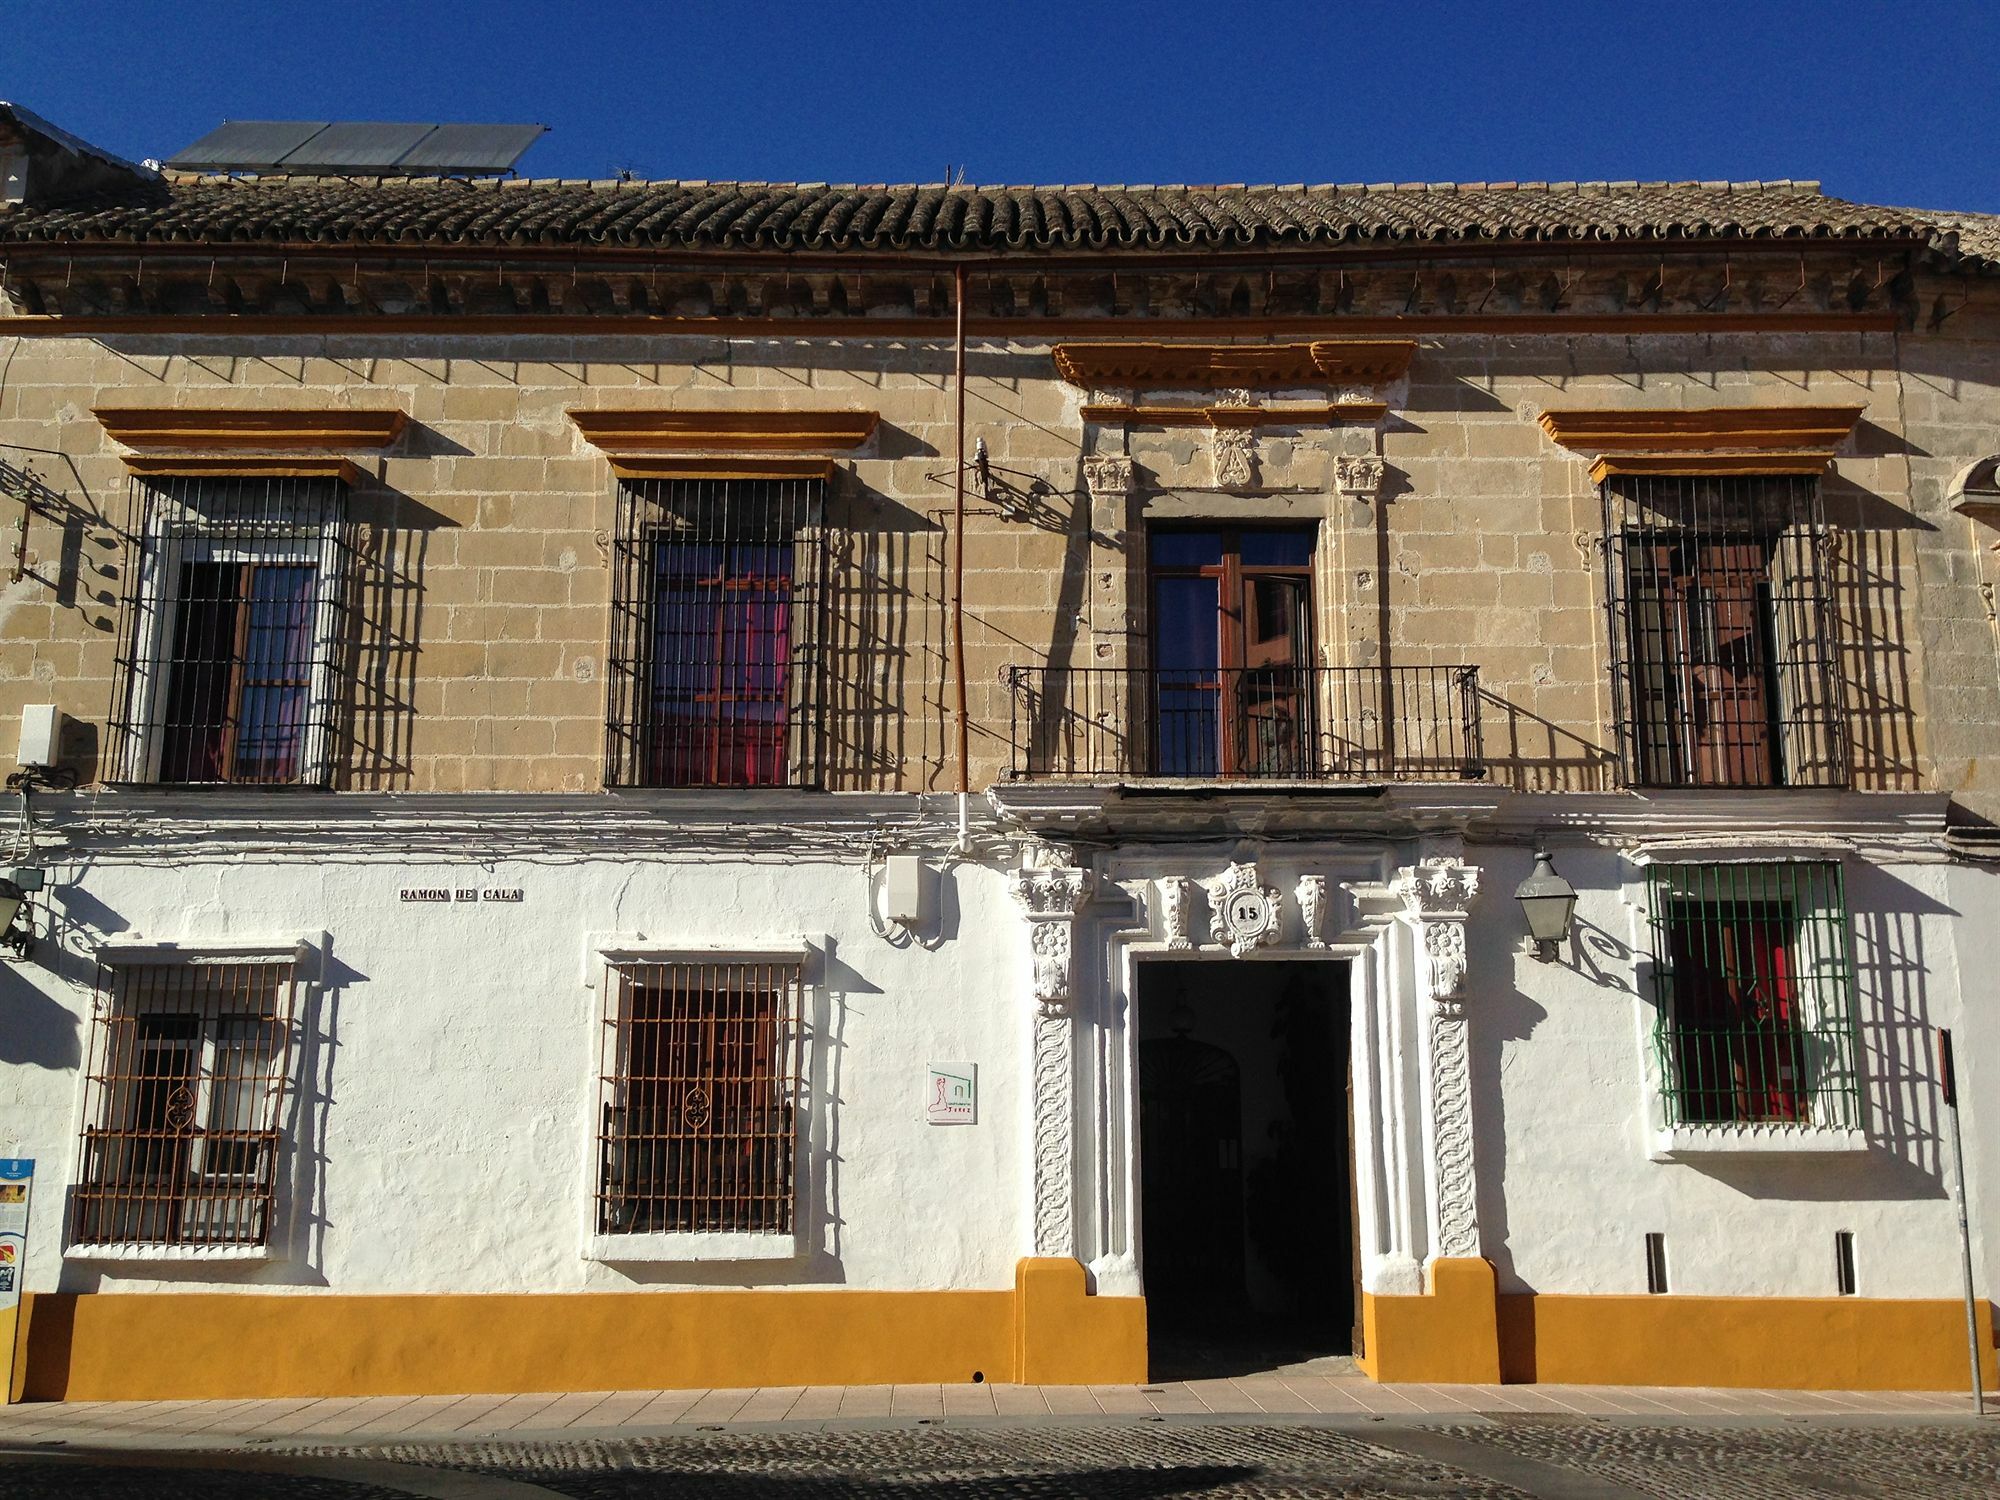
(235, 638)
(185, 1088)
(699, 1098)
(717, 662)
(1753, 984)
(1723, 632)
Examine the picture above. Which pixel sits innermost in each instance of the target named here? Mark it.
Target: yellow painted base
(213, 1345)
(1461, 1332)
(1799, 1343)
(1450, 1335)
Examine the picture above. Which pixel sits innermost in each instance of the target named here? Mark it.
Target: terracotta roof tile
(811, 216)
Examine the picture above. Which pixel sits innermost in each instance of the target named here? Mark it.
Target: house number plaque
(1247, 915)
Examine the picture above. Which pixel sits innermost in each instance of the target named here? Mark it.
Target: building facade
(585, 847)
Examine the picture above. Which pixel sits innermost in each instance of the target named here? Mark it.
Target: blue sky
(1887, 103)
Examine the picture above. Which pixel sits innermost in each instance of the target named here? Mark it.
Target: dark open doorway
(1246, 1183)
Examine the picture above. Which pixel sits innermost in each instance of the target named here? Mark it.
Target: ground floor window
(1753, 983)
(698, 1093)
(184, 1104)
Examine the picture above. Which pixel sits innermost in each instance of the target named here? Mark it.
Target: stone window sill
(656, 1249)
(1694, 1142)
(172, 1254)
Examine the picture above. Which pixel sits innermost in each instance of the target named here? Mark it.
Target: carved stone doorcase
(1400, 930)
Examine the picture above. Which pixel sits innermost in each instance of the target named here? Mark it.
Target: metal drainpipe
(958, 551)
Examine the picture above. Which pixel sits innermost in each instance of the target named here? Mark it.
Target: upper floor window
(1232, 651)
(1724, 629)
(235, 608)
(714, 659)
(699, 1098)
(1752, 981)
(184, 1091)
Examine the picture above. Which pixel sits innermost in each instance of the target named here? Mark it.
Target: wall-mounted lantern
(17, 927)
(1548, 902)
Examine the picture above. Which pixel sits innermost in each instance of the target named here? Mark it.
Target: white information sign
(17, 1178)
(951, 1097)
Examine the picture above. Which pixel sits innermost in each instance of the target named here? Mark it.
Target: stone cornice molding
(1192, 366)
(240, 466)
(632, 433)
(275, 431)
(1748, 440)
(1290, 414)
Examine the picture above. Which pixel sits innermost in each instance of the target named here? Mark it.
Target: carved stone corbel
(1311, 896)
(1176, 896)
(1436, 893)
(1052, 890)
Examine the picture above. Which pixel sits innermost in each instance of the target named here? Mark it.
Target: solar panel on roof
(246, 145)
(364, 147)
(471, 148)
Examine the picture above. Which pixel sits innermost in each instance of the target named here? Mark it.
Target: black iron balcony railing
(1255, 723)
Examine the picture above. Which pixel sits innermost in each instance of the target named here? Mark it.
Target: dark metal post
(1948, 1083)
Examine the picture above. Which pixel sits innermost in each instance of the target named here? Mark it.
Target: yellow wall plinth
(1063, 1336)
(1450, 1335)
(1808, 1343)
(208, 1345)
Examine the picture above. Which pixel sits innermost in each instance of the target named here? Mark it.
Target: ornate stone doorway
(1246, 1239)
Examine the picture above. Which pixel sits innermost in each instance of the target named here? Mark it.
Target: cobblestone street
(1354, 1458)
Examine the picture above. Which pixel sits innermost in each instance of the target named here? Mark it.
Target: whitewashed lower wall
(444, 1130)
(444, 1138)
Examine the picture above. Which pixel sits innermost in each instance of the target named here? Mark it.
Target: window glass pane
(1185, 549)
(1186, 619)
(199, 669)
(720, 680)
(1291, 547)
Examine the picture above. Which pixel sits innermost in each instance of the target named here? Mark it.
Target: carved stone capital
(1051, 895)
(1110, 478)
(1435, 894)
(1358, 476)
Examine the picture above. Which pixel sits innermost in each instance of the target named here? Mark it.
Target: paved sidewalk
(1295, 1392)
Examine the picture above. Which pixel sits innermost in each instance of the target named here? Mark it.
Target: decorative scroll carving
(1358, 476)
(1110, 478)
(1435, 893)
(1451, 1113)
(1234, 452)
(1243, 911)
(1055, 1136)
(1176, 895)
(1311, 895)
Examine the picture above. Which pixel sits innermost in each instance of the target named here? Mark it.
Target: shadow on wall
(1873, 611)
(394, 540)
(1527, 753)
(874, 633)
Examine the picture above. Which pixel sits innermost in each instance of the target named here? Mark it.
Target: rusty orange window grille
(699, 1098)
(184, 1094)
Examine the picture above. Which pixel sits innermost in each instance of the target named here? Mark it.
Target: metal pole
(958, 535)
(1948, 1080)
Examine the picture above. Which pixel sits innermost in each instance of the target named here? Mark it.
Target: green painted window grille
(1753, 982)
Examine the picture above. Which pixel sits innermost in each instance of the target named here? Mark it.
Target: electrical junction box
(41, 735)
(907, 890)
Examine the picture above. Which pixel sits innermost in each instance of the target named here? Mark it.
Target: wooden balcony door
(1231, 649)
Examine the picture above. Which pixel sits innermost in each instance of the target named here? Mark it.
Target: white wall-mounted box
(41, 735)
(906, 887)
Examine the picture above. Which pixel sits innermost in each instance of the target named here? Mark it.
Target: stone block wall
(482, 615)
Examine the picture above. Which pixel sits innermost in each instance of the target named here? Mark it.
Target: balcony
(1260, 724)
